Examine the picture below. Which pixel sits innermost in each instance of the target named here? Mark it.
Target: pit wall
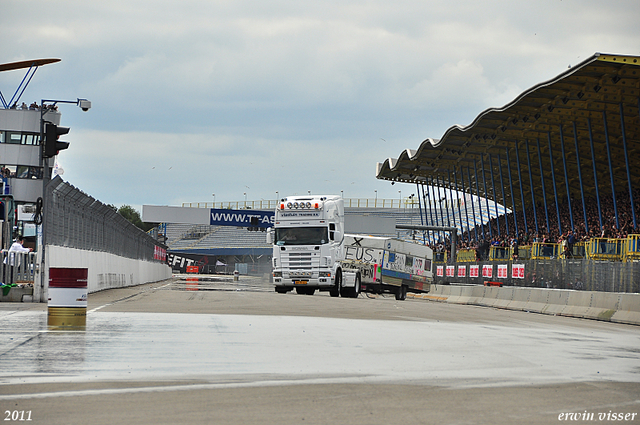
(106, 271)
(607, 306)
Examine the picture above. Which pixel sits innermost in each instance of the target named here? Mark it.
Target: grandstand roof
(599, 97)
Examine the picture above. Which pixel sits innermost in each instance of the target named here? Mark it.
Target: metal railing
(632, 248)
(17, 267)
(272, 204)
(605, 249)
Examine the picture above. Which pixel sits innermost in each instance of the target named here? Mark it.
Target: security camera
(84, 104)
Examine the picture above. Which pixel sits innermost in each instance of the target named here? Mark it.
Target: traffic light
(51, 144)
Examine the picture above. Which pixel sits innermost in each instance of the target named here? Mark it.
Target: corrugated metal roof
(587, 102)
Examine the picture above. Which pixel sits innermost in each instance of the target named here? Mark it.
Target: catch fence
(74, 219)
(585, 274)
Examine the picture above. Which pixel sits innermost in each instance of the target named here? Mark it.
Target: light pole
(85, 105)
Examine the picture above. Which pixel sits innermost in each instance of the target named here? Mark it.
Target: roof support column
(504, 200)
(495, 202)
(473, 208)
(475, 168)
(613, 188)
(566, 177)
(453, 210)
(433, 223)
(446, 210)
(486, 198)
(435, 210)
(555, 188)
(595, 174)
(455, 177)
(584, 205)
(626, 160)
(420, 206)
(544, 192)
(524, 210)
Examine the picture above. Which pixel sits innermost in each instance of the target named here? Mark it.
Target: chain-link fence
(578, 274)
(74, 219)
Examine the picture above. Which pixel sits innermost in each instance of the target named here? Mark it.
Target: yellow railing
(466, 255)
(500, 253)
(605, 249)
(632, 248)
(439, 257)
(543, 251)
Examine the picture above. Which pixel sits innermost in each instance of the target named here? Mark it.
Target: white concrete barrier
(628, 309)
(557, 301)
(578, 304)
(608, 306)
(603, 305)
(538, 300)
(106, 271)
(520, 298)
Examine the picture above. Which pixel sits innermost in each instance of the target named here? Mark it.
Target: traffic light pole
(85, 105)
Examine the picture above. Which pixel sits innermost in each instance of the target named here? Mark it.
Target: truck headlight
(325, 274)
(277, 274)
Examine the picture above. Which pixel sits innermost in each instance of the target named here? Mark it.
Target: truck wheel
(355, 291)
(401, 294)
(281, 289)
(310, 291)
(335, 291)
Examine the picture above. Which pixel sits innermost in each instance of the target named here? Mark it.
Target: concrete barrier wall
(608, 306)
(106, 270)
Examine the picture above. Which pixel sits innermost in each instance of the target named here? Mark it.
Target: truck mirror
(270, 235)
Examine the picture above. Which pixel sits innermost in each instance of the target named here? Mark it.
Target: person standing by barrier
(11, 261)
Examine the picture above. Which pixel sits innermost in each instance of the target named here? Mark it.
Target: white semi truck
(311, 252)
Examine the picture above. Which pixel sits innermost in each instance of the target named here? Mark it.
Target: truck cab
(308, 244)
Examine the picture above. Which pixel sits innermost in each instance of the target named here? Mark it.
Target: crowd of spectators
(33, 107)
(482, 237)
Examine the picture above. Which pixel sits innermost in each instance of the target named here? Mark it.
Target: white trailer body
(380, 265)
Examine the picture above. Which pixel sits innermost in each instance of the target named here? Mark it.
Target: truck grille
(299, 260)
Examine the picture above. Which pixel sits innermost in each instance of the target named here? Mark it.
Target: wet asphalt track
(219, 351)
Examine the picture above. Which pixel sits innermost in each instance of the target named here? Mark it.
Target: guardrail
(17, 267)
(606, 249)
(632, 248)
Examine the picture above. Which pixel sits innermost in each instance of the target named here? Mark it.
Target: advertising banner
(517, 271)
(451, 271)
(487, 270)
(502, 271)
(474, 271)
(462, 271)
(241, 218)
(440, 271)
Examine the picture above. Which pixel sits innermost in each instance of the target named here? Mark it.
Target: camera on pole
(51, 143)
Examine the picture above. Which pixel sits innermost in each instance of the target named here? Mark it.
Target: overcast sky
(196, 97)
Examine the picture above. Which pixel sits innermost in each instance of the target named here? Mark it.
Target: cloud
(289, 96)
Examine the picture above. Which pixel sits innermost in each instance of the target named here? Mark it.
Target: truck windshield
(302, 236)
